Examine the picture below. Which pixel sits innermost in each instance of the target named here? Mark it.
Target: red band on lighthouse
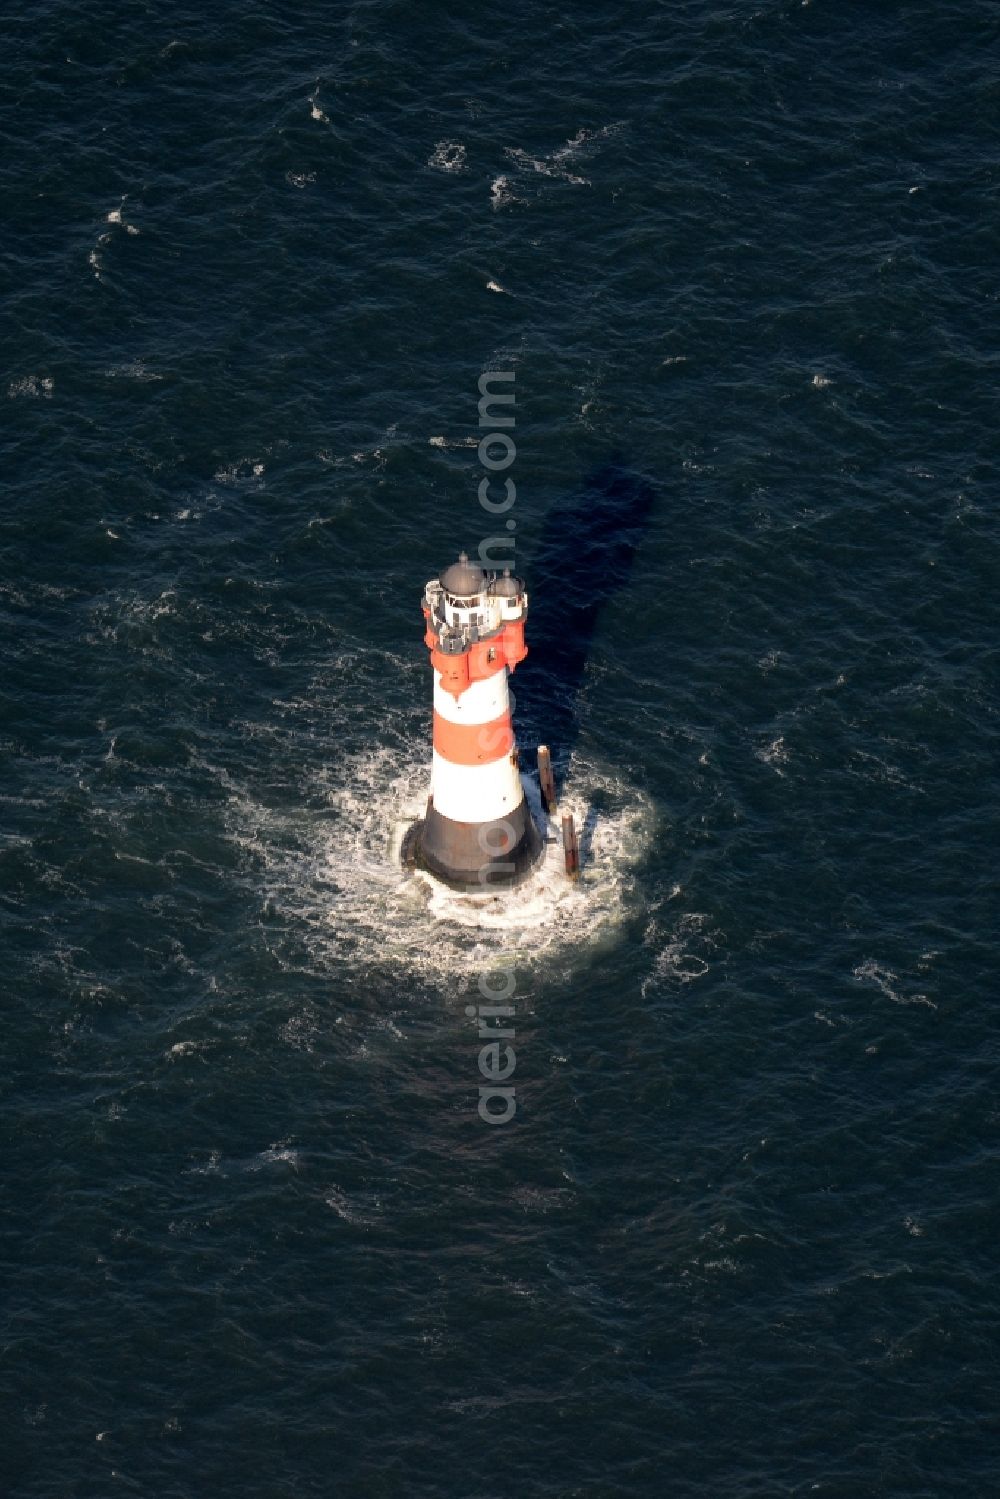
(473, 743)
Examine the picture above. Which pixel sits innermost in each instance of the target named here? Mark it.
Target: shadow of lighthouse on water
(585, 557)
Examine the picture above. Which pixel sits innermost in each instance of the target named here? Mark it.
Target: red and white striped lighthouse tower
(478, 832)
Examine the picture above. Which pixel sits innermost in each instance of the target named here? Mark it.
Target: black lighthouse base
(474, 856)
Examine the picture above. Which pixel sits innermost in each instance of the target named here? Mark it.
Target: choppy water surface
(740, 1238)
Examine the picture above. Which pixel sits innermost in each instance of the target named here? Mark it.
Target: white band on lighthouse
(481, 702)
(461, 791)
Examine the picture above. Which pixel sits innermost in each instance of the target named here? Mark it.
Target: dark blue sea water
(740, 1239)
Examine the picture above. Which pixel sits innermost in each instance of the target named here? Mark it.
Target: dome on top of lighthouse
(506, 587)
(463, 578)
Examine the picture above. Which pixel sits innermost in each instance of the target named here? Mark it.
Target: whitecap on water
(276, 1155)
(676, 960)
(134, 369)
(351, 1210)
(187, 1049)
(776, 754)
(544, 164)
(881, 977)
(114, 216)
(555, 164)
(501, 192)
(33, 386)
(447, 156)
(241, 470)
(279, 1153)
(314, 110)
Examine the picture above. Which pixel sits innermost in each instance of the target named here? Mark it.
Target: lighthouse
(478, 833)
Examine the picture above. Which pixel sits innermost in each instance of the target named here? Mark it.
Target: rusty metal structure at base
(571, 847)
(546, 780)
